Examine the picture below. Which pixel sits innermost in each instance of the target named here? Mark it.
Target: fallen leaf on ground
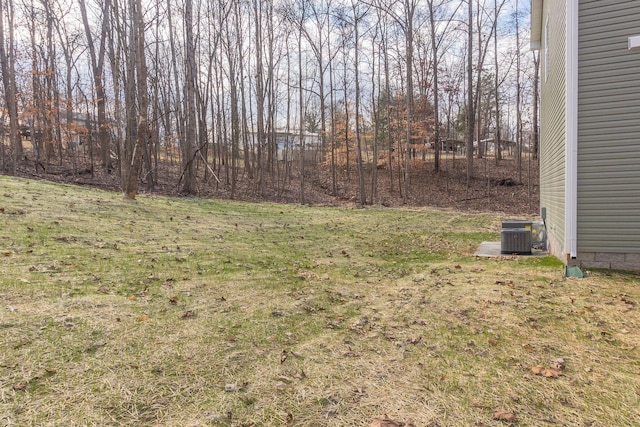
(384, 422)
(551, 373)
(415, 340)
(20, 386)
(502, 415)
(189, 314)
(546, 372)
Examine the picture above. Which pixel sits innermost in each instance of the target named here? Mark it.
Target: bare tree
(435, 63)
(358, 16)
(436, 93)
(496, 52)
(302, 18)
(189, 149)
(332, 113)
(7, 61)
(137, 100)
(260, 93)
(97, 67)
(321, 19)
(387, 97)
(409, 13)
(536, 102)
(518, 99)
(37, 113)
(176, 108)
(375, 98)
(69, 42)
(403, 13)
(232, 56)
(469, 110)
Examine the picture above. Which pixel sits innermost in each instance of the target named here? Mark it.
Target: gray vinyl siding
(608, 128)
(552, 130)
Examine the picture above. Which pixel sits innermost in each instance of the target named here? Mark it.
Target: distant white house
(289, 145)
(77, 128)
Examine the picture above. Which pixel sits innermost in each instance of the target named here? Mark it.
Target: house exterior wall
(608, 226)
(553, 124)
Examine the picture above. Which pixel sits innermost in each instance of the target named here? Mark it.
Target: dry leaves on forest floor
(494, 187)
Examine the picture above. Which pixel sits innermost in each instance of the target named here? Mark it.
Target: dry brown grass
(186, 312)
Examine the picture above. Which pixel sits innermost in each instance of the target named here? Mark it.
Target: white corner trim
(571, 135)
(634, 42)
(536, 24)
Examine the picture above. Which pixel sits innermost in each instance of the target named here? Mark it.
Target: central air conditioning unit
(519, 237)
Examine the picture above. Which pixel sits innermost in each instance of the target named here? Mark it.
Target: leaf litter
(420, 331)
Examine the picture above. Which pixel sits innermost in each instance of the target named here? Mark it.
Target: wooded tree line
(252, 90)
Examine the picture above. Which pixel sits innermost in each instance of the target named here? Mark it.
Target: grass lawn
(189, 312)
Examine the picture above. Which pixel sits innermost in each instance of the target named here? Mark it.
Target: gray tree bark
(7, 62)
(97, 67)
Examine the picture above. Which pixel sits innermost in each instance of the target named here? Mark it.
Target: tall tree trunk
(178, 108)
(235, 114)
(436, 90)
(478, 87)
(143, 134)
(356, 59)
(131, 152)
(37, 117)
(410, 7)
(334, 174)
(346, 122)
(138, 100)
(498, 135)
(189, 160)
(115, 48)
(469, 111)
(257, 4)
(536, 101)
(97, 67)
(271, 95)
(388, 112)
(301, 113)
(375, 97)
(52, 96)
(7, 61)
(518, 100)
(286, 149)
(248, 152)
